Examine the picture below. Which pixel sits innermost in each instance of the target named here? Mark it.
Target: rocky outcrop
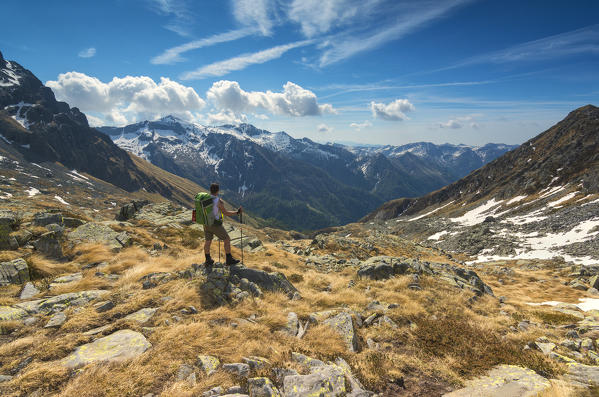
(119, 346)
(94, 232)
(129, 210)
(14, 272)
(384, 267)
(49, 245)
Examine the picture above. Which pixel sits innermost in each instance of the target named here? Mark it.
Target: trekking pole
(219, 249)
(241, 221)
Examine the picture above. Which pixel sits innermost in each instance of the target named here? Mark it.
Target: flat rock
(119, 346)
(262, 387)
(93, 232)
(583, 374)
(69, 278)
(14, 272)
(8, 313)
(208, 364)
(504, 381)
(142, 316)
(56, 320)
(60, 301)
(324, 381)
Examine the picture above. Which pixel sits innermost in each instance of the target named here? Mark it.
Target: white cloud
(255, 13)
(87, 53)
(225, 116)
(455, 124)
(361, 126)
(173, 55)
(293, 101)
(316, 16)
(323, 128)
(406, 19)
(127, 99)
(393, 111)
(180, 12)
(241, 62)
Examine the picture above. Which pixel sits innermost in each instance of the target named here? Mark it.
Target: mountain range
(298, 183)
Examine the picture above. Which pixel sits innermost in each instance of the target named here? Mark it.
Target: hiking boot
(209, 261)
(231, 261)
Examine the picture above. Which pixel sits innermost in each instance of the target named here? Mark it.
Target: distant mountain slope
(540, 201)
(45, 130)
(296, 183)
(566, 153)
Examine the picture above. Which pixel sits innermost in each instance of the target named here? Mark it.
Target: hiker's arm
(221, 207)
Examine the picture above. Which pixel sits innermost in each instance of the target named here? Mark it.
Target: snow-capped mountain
(301, 183)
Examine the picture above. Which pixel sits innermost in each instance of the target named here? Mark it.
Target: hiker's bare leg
(207, 247)
(228, 246)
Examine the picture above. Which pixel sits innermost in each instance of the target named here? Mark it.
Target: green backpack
(204, 214)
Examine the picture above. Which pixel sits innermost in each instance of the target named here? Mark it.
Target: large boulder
(14, 272)
(262, 387)
(505, 381)
(273, 282)
(324, 380)
(93, 232)
(119, 346)
(60, 302)
(49, 245)
(129, 210)
(8, 219)
(47, 218)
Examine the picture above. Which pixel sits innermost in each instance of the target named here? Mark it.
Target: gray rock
(22, 236)
(14, 272)
(237, 369)
(272, 282)
(49, 245)
(343, 324)
(262, 387)
(30, 321)
(72, 222)
(325, 381)
(292, 324)
(5, 378)
(215, 391)
(8, 219)
(255, 362)
(186, 373)
(103, 306)
(121, 345)
(69, 278)
(208, 364)
(56, 320)
(545, 347)
(581, 374)
(142, 316)
(59, 302)
(128, 211)
(234, 390)
(93, 232)
(279, 374)
(28, 291)
(47, 218)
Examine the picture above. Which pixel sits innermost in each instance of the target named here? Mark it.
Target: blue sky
(370, 71)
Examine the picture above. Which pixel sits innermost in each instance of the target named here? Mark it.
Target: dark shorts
(215, 230)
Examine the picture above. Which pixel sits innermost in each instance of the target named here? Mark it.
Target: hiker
(217, 229)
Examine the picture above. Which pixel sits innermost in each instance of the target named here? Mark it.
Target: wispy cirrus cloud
(87, 53)
(579, 41)
(242, 61)
(181, 14)
(406, 20)
(173, 55)
(262, 14)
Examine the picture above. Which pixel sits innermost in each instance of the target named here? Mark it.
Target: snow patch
(436, 236)
(516, 199)
(430, 212)
(60, 200)
(557, 202)
(32, 192)
(478, 214)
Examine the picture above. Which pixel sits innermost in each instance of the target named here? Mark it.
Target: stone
(8, 219)
(47, 218)
(22, 236)
(94, 232)
(325, 381)
(305, 360)
(292, 324)
(524, 326)
(187, 373)
(56, 320)
(59, 302)
(30, 321)
(279, 374)
(72, 222)
(142, 316)
(384, 320)
(208, 364)
(546, 348)
(69, 278)
(262, 387)
(578, 285)
(8, 313)
(103, 306)
(96, 331)
(234, 390)
(5, 378)
(28, 291)
(357, 389)
(14, 272)
(255, 362)
(272, 282)
(343, 324)
(504, 381)
(570, 344)
(586, 375)
(237, 369)
(215, 391)
(49, 245)
(129, 210)
(594, 282)
(119, 346)
(587, 344)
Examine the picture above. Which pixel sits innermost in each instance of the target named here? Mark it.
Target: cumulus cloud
(225, 116)
(361, 126)
(454, 124)
(87, 53)
(323, 128)
(394, 111)
(127, 99)
(293, 101)
(460, 122)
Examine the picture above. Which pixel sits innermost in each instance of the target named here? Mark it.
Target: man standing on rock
(217, 229)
